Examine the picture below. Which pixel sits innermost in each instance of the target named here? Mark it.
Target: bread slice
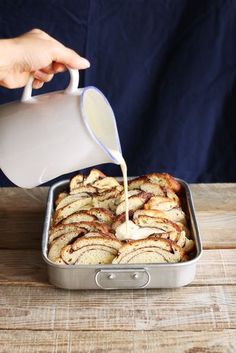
(59, 261)
(106, 199)
(61, 229)
(97, 234)
(106, 183)
(88, 189)
(180, 239)
(92, 250)
(76, 181)
(57, 244)
(102, 214)
(150, 250)
(164, 179)
(174, 215)
(96, 227)
(163, 224)
(73, 207)
(184, 228)
(171, 195)
(160, 203)
(60, 197)
(109, 194)
(137, 182)
(93, 176)
(109, 204)
(71, 198)
(150, 213)
(135, 202)
(153, 188)
(130, 193)
(79, 216)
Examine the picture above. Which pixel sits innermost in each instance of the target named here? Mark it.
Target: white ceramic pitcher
(52, 134)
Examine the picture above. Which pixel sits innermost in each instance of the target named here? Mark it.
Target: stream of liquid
(118, 156)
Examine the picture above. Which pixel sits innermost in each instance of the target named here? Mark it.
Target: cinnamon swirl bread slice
(161, 203)
(165, 180)
(135, 202)
(56, 246)
(64, 212)
(165, 225)
(91, 250)
(61, 229)
(151, 250)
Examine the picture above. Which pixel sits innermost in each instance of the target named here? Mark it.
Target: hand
(36, 53)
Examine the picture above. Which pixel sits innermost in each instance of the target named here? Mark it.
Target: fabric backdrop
(168, 68)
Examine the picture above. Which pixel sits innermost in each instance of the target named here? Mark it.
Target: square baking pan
(125, 276)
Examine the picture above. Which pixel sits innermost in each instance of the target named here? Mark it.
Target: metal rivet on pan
(135, 276)
(111, 276)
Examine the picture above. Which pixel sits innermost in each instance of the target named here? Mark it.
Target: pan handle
(122, 278)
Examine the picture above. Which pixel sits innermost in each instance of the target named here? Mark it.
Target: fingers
(69, 58)
(40, 77)
(39, 54)
(54, 68)
(37, 84)
(61, 54)
(43, 76)
(57, 67)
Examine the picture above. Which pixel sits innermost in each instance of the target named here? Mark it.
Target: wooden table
(36, 317)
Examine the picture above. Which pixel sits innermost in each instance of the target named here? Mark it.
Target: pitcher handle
(71, 88)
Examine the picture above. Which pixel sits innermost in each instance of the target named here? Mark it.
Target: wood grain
(214, 197)
(201, 308)
(38, 318)
(21, 229)
(217, 229)
(17, 199)
(21, 267)
(118, 342)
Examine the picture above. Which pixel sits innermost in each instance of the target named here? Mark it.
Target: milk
(135, 232)
(118, 156)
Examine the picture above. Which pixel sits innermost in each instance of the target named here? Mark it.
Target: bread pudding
(88, 224)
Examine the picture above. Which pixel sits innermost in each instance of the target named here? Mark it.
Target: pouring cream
(135, 232)
(128, 229)
(118, 156)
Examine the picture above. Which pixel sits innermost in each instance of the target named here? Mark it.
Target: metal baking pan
(117, 276)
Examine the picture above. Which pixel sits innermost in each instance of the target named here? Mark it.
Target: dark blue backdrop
(168, 68)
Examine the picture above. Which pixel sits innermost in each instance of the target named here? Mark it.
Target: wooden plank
(21, 267)
(17, 199)
(118, 342)
(217, 229)
(216, 267)
(214, 197)
(201, 308)
(21, 229)
(21, 217)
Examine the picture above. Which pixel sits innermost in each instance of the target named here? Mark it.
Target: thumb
(70, 58)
